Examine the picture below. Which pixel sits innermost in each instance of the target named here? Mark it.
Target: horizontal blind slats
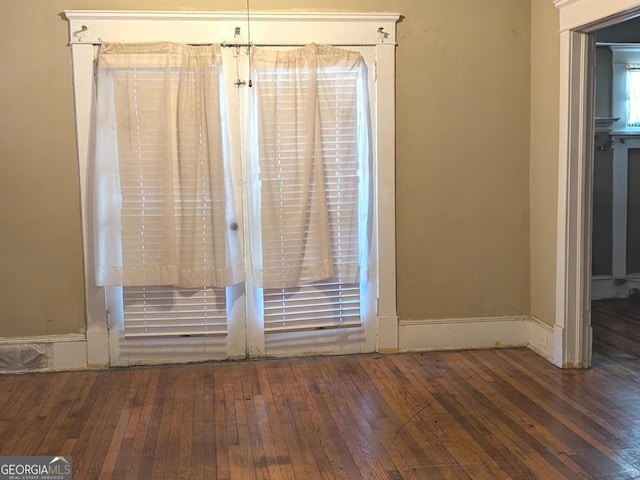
(141, 95)
(171, 311)
(317, 306)
(324, 304)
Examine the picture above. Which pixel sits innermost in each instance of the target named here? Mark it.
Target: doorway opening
(578, 23)
(615, 231)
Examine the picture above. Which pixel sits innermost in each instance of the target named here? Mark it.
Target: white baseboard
(541, 339)
(463, 333)
(388, 334)
(79, 352)
(477, 333)
(47, 353)
(604, 286)
(98, 348)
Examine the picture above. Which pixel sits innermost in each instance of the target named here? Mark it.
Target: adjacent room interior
(616, 181)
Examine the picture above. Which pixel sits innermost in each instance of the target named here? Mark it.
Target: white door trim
(572, 331)
(575, 162)
(90, 28)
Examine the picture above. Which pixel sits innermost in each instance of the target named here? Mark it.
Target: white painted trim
(69, 356)
(97, 347)
(69, 352)
(463, 333)
(541, 338)
(386, 200)
(95, 27)
(452, 321)
(96, 310)
(208, 16)
(65, 338)
(572, 330)
(606, 287)
(478, 333)
(604, 124)
(585, 14)
(564, 3)
(387, 334)
(575, 166)
(87, 28)
(603, 286)
(63, 352)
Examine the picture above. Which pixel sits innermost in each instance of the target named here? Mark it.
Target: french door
(162, 324)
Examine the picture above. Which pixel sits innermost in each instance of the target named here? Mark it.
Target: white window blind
(168, 311)
(319, 306)
(335, 301)
(162, 201)
(139, 96)
(633, 96)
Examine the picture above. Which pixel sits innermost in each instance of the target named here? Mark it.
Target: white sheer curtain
(633, 93)
(309, 153)
(164, 208)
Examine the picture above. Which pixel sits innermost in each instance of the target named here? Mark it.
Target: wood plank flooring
(500, 414)
(616, 330)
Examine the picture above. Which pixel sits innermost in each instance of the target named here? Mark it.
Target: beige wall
(462, 158)
(462, 155)
(545, 74)
(41, 279)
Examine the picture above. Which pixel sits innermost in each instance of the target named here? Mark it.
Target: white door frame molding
(87, 29)
(578, 18)
(571, 332)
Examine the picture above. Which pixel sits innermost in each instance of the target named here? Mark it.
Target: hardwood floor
(501, 414)
(616, 331)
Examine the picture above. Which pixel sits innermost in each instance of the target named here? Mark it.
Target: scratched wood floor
(501, 414)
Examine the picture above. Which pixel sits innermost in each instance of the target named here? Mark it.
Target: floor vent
(24, 358)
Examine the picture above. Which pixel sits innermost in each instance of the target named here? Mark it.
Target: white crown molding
(287, 15)
(589, 15)
(560, 4)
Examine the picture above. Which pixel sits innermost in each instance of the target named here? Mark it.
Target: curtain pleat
(300, 99)
(633, 92)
